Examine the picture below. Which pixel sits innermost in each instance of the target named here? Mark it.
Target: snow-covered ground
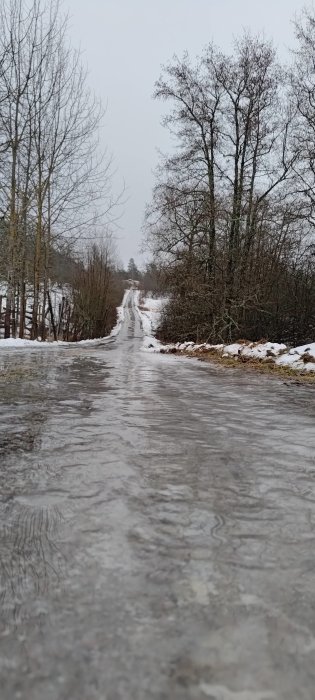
(57, 294)
(17, 343)
(149, 310)
(299, 358)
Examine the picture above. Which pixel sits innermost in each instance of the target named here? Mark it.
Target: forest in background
(231, 222)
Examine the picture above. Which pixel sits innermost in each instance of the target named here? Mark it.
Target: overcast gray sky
(125, 42)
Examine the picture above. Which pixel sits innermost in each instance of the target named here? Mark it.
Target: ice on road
(157, 528)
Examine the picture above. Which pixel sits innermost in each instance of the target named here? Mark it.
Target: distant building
(133, 283)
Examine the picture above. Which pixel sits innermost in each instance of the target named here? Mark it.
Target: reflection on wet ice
(157, 528)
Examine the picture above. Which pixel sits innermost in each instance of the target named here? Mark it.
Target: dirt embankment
(267, 364)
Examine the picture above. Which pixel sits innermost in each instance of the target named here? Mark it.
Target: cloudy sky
(125, 42)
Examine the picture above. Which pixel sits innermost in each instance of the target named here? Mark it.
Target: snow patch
(302, 357)
(17, 343)
(149, 311)
(299, 358)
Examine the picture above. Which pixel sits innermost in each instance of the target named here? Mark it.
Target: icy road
(157, 528)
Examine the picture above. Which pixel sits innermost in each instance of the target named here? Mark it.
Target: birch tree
(56, 180)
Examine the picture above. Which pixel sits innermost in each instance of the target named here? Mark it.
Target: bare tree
(227, 216)
(96, 294)
(56, 180)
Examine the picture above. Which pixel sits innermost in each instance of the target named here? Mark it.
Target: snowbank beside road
(299, 358)
(149, 310)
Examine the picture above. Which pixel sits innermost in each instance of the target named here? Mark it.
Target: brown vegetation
(55, 182)
(97, 293)
(232, 216)
(264, 366)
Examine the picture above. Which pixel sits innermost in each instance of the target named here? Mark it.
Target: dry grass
(306, 357)
(15, 374)
(266, 366)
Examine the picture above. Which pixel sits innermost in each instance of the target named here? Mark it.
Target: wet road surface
(157, 528)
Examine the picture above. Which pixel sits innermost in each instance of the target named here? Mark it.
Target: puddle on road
(42, 500)
(142, 553)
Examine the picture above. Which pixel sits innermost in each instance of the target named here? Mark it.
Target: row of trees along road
(55, 184)
(232, 218)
